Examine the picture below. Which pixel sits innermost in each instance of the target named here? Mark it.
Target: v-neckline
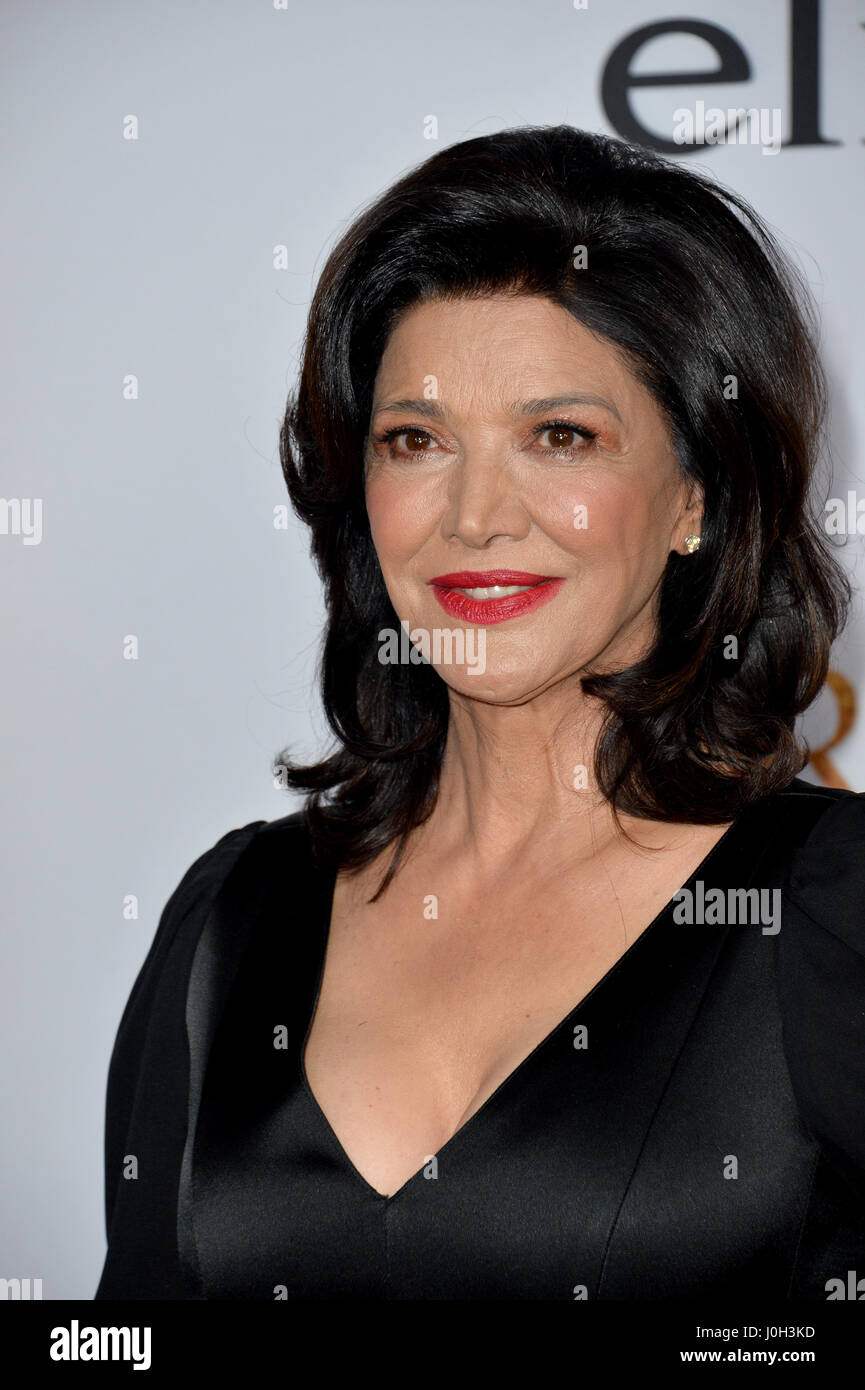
(328, 889)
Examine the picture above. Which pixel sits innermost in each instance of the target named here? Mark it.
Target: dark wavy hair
(689, 284)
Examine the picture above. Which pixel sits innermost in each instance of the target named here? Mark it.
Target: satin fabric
(597, 1172)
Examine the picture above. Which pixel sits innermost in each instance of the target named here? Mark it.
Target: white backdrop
(154, 157)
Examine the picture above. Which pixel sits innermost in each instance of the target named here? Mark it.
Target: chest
(428, 1001)
(661, 1156)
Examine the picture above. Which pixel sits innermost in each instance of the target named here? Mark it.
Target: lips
(482, 609)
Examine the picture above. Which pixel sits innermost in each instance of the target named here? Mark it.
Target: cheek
(590, 515)
(396, 515)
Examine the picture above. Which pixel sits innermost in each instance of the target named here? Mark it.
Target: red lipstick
(481, 612)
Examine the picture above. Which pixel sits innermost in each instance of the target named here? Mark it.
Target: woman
(554, 989)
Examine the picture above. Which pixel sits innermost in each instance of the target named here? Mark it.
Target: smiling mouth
(493, 596)
(495, 591)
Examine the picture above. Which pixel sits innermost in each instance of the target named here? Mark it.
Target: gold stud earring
(692, 543)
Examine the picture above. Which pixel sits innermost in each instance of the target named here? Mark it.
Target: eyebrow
(539, 405)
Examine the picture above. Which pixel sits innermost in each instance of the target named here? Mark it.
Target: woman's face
(510, 447)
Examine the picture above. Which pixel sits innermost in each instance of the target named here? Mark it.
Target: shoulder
(186, 909)
(803, 807)
(217, 862)
(283, 842)
(826, 877)
(821, 973)
(206, 875)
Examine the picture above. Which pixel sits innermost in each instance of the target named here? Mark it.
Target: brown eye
(564, 438)
(415, 442)
(404, 440)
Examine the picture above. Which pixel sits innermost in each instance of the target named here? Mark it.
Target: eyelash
(582, 430)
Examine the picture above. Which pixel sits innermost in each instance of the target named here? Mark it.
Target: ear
(690, 521)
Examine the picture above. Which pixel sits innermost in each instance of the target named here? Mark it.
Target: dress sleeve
(821, 981)
(187, 905)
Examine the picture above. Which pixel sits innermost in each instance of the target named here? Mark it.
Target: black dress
(695, 1127)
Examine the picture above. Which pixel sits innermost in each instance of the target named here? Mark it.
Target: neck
(518, 777)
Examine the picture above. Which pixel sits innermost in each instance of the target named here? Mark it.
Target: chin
(498, 686)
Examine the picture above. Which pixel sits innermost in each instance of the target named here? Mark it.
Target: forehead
(492, 352)
(504, 346)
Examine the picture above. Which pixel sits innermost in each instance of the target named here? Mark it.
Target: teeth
(496, 591)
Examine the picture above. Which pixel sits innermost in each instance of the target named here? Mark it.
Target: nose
(483, 503)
